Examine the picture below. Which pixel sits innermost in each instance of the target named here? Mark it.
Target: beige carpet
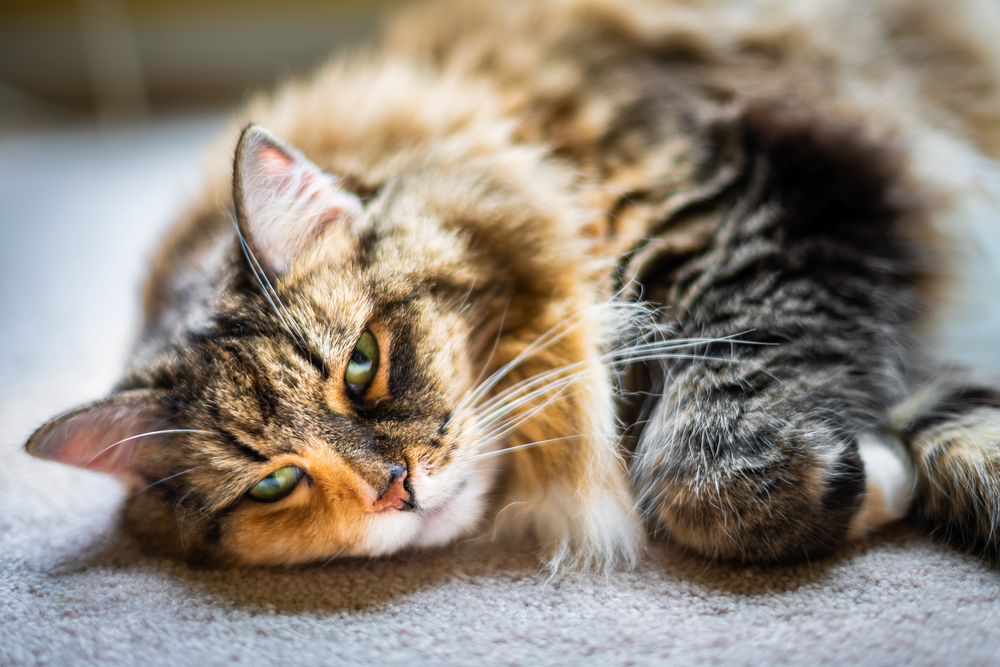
(78, 213)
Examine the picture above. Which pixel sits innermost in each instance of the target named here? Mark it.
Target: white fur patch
(890, 479)
(597, 533)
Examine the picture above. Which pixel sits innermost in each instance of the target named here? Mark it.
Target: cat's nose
(396, 496)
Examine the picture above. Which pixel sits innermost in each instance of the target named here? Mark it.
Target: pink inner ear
(89, 443)
(285, 173)
(105, 437)
(111, 457)
(287, 201)
(273, 160)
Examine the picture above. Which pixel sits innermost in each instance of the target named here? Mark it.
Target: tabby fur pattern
(635, 268)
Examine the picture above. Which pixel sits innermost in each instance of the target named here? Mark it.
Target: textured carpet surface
(78, 213)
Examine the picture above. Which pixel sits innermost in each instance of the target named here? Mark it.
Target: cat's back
(615, 92)
(620, 87)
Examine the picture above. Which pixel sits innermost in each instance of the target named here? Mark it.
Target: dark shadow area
(369, 585)
(337, 585)
(769, 578)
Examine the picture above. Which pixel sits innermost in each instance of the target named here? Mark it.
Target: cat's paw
(593, 532)
(958, 478)
(760, 491)
(600, 533)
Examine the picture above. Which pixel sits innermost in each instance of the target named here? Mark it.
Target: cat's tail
(952, 429)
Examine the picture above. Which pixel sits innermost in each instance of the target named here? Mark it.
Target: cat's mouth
(428, 513)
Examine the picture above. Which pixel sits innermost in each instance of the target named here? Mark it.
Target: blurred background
(121, 61)
(107, 109)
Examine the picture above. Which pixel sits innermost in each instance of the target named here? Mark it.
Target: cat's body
(694, 235)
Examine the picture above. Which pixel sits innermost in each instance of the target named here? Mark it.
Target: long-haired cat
(587, 270)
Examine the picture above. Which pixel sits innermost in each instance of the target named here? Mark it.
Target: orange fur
(497, 203)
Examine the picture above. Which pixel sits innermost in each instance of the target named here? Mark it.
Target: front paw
(754, 492)
(597, 532)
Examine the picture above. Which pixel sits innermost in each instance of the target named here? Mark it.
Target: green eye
(277, 485)
(363, 364)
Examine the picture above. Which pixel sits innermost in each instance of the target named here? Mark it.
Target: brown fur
(522, 168)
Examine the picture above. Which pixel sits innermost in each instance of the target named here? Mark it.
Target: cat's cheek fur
(328, 519)
(291, 536)
(265, 535)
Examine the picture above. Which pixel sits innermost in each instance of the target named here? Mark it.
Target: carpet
(79, 212)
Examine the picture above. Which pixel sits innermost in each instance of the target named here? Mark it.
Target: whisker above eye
(181, 500)
(146, 434)
(159, 481)
(270, 293)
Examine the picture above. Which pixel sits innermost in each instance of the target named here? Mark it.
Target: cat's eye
(277, 485)
(363, 364)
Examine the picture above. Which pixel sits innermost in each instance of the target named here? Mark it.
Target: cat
(586, 270)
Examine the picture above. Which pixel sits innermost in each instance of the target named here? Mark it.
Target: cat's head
(310, 391)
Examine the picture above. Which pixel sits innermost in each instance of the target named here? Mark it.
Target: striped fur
(634, 267)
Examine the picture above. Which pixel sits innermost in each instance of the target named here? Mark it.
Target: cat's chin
(454, 518)
(455, 514)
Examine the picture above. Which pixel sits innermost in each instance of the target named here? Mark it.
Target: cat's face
(341, 432)
(344, 436)
(325, 377)
(322, 407)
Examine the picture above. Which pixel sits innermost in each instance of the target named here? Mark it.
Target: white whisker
(183, 472)
(537, 443)
(269, 292)
(506, 411)
(148, 433)
(462, 404)
(501, 430)
(505, 408)
(539, 344)
(181, 500)
(650, 351)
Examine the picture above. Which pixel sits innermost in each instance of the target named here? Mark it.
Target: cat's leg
(953, 431)
(761, 461)
(775, 445)
(566, 482)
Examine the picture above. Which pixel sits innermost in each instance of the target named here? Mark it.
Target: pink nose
(396, 497)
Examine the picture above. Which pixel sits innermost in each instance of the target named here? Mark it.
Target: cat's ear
(283, 201)
(107, 436)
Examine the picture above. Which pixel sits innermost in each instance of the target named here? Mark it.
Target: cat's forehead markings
(236, 443)
(313, 357)
(367, 241)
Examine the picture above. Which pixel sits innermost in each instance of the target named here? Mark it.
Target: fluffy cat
(586, 270)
